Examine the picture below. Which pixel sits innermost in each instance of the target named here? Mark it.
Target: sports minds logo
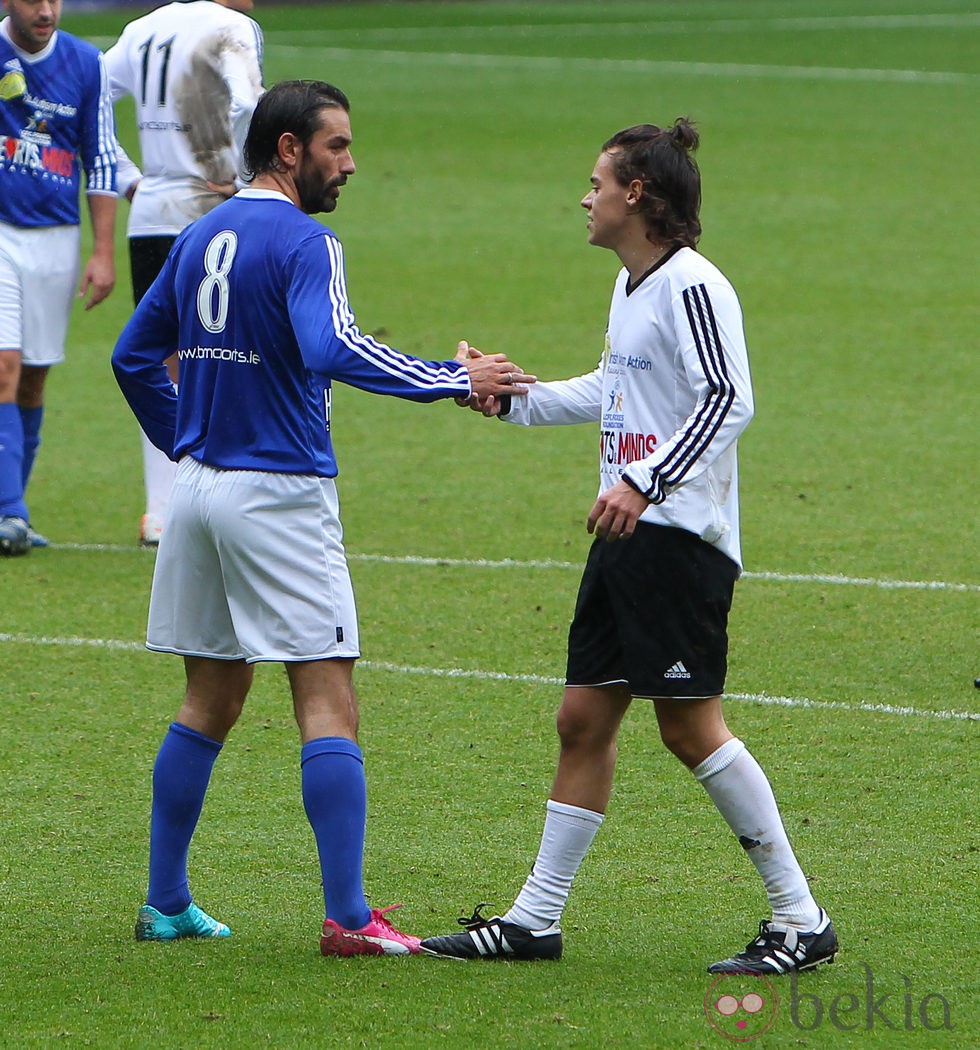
(742, 1007)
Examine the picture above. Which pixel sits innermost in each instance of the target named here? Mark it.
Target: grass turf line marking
(962, 20)
(534, 679)
(775, 577)
(593, 30)
(547, 63)
(513, 563)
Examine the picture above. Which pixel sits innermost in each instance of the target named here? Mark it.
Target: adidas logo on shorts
(677, 671)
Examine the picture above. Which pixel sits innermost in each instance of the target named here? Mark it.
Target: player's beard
(316, 193)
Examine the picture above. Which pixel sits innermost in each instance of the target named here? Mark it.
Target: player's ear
(289, 150)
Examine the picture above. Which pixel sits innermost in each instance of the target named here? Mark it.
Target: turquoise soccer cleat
(152, 925)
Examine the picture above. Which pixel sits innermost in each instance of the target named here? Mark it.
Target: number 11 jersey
(194, 71)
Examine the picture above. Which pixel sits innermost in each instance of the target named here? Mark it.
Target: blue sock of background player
(11, 462)
(335, 797)
(180, 781)
(30, 419)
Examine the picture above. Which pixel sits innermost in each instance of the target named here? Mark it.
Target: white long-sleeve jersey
(195, 73)
(672, 393)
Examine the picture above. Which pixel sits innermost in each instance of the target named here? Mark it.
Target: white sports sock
(744, 797)
(158, 477)
(568, 833)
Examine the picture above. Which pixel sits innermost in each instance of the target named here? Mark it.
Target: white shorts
(39, 271)
(251, 566)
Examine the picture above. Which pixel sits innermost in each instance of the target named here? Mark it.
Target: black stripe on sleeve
(702, 429)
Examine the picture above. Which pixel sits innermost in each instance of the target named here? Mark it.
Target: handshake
(493, 378)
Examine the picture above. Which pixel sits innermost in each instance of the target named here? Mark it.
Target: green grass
(841, 206)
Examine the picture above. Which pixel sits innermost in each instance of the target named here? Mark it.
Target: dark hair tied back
(662, 160)
(685, 134)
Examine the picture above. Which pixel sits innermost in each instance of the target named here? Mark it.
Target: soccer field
(839, 155)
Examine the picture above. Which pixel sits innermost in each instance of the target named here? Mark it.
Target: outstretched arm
(333, 345)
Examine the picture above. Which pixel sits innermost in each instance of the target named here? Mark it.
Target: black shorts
(652, 613)
(146, 258)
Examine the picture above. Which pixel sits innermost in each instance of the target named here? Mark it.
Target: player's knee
(30, 387)
(9, 375)
(677, 739)
(579, 730)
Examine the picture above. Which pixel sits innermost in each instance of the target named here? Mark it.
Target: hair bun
(685, 134)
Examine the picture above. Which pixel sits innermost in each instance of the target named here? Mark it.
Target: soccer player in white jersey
(194, 70)
(55, 122)
(671, 395)
(251, 566)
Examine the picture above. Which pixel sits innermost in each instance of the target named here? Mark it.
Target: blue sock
(180, 780)
(335, 797)
(11, 462)
(30, 419)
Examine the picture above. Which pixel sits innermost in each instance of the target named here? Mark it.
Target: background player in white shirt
(251, 565)
(194, 70)
(55, 122)
(671, 394)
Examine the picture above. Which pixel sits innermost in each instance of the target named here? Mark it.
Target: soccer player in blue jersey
(55, 120)
(251, 566)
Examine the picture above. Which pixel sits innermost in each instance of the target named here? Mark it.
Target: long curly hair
(661, 158)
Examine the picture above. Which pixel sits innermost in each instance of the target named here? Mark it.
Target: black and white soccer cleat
(495, 939)
(780, 949)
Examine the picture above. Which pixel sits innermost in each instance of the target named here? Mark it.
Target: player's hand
(491, 376)
(98, 280)
(488, 406)
(465, 352)
(616, 512)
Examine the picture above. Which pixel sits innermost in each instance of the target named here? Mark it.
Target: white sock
(158, 477)
(568, 833)
(739, 788)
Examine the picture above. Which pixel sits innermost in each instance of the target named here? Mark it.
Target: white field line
(594, 30)
(533, 679)
(777, 577)
(652, 26)
(516, 563)
(324, 41)
(638, 66)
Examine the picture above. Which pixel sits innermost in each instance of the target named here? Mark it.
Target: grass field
(839, 157)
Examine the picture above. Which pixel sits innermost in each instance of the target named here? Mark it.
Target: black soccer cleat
(781, 949)
(496, 939)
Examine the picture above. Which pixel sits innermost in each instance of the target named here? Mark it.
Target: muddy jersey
(671, 394)
(194, 71)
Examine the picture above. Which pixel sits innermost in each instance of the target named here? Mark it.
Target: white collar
(28, 56)
(252, 193)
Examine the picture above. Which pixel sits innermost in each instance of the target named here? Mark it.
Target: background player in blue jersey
(55, 119)
(251, 566)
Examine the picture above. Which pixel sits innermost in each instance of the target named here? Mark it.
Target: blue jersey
(253, 299)
(55, 119)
